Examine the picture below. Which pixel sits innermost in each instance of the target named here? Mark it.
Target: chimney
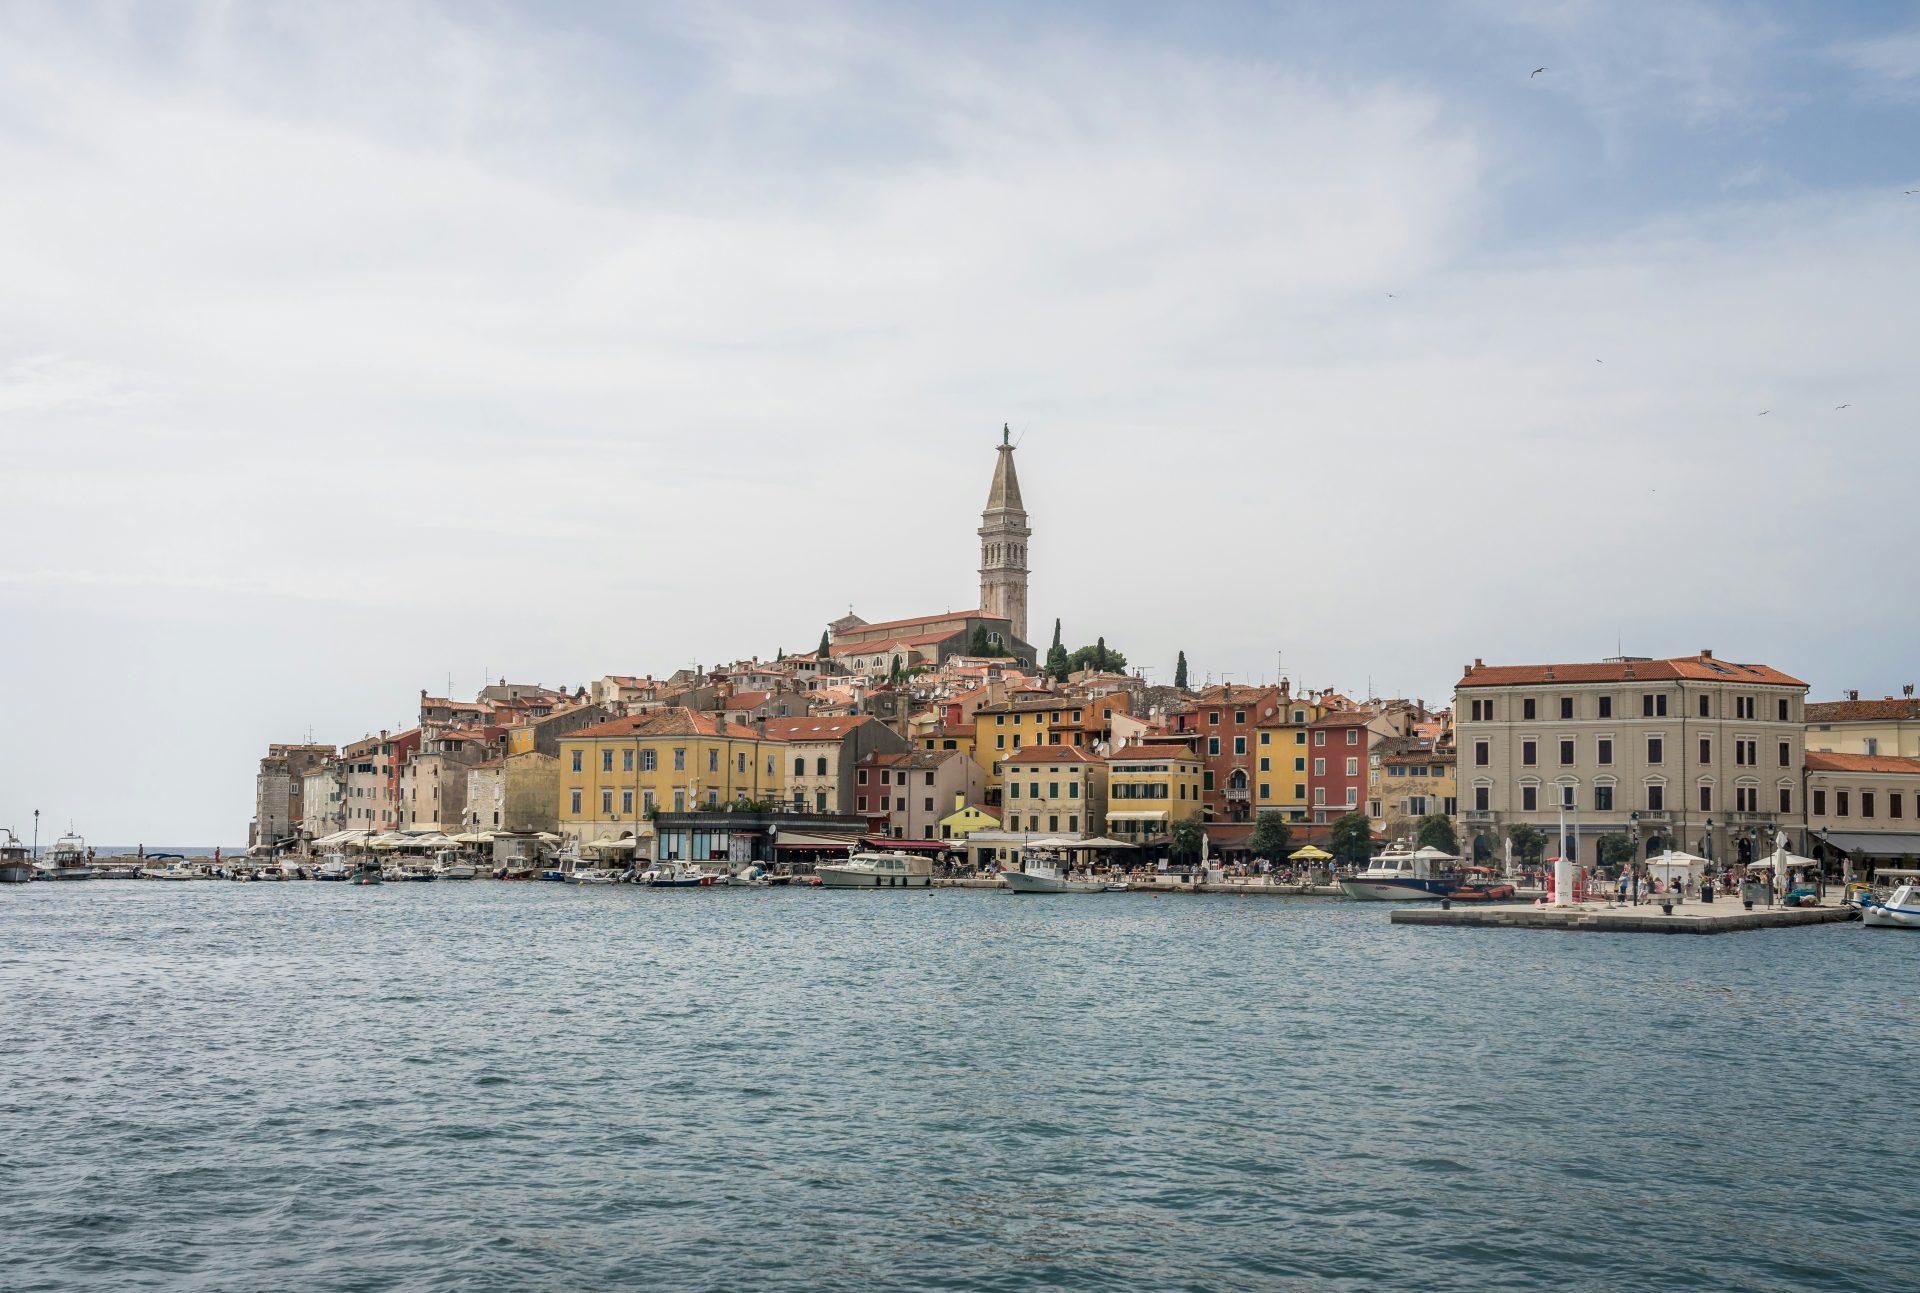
(1706, 653)
(1549, 673)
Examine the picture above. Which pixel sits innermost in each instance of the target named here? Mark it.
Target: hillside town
(954, 735)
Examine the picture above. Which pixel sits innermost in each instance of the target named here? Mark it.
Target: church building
(1001, 615)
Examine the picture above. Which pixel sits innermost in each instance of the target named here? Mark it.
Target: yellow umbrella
(1310, 854)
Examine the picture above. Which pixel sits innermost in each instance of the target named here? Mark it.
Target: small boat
(675, 876)
(367, 871)
(177, 869)
(67, 860)
(15, 866)
(1901, 911)
(1419, 875)
(877, 871)
(1045, 877)
(591, 877)
(332, 867)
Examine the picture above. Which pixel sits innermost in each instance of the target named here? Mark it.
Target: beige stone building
(821, 754)
(1855, 726)
(1053, 790)
(1692, 752)
(1863, 807)
(905, 795)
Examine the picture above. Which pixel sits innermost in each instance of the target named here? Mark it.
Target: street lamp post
(36, 835)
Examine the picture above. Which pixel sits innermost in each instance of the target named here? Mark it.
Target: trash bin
(1706, 891)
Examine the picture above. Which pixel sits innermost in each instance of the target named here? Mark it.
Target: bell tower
(1003, 545)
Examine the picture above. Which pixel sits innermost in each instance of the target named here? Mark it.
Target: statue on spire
(1004, 433)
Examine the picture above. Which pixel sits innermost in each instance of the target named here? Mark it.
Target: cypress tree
(1180, 672)
(823, 644)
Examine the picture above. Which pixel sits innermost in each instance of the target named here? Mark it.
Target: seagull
(1763, 412)
(1838, 407)
(1599, 361)
(1390, 296)
(1535, 72)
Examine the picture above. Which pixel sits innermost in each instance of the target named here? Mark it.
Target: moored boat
(15, 866)
(877, 871)
(67, 860)
(1901, 911)
(1045, 877)
(333, 866)
(1419, 875)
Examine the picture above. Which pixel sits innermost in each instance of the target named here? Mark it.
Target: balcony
(1242, 795)
(1477, 815)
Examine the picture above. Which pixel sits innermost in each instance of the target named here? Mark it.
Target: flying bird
(1763, 412)
(1599, 361)
(1535, 72)
(1838, 407)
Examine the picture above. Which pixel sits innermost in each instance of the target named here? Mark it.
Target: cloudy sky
(348, 349)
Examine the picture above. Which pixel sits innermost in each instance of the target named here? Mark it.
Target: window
(576, 766)
(1839, 803)
(1239, 745)
(1353, 767)
(1266, 790)
(800, 766)
(1568, 796)
(1526, 710)
(1566, 754)
(1706, 798)
(1013, 790)
(1265, 738)
(1300, 765)
(1819, 803)
(1706, 749)
(1529, 798)
(1603, 750)
(626, 803)
(1300, 738)
(1239, 718)
(626, 760)
(1783, 709)
(1606, 707)
(1319, 767)
(861, 776)
(1603, 799)
(606, 802)
(1053, 790)
(606, 760)
(1480, 753)
(1653, 705)
(1213, 745)
(1266, 764)
(573, 805)
(1786, 754)
(1319, 738)
(1053, 822)
(1353, 736)
(1529, 753)
(1213, 718)
(1866, 803)
(679, 763)
(1353, 796)
(649, 760)
(1894, 808)
(1480, 799)
(1033, 790)
(1706, 706)
(713, 760)
(886, 803)
(1656, 798)
(1656, 749)
(1000, 741)
(1566, 707)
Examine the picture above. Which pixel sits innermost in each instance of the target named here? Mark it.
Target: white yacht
(877, 871)
(452, 867)
(67, 860)
(1425, 874)
(1045, 877)
(174, 869)
(1902, 911)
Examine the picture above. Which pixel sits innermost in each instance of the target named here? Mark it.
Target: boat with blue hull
(1425, 874)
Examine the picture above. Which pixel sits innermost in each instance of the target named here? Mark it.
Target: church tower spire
(1003, 544)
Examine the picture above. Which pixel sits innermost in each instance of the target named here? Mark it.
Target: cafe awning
(1873, 844)
(882, 845)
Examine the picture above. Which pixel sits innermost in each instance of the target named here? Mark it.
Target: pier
(1649, 918)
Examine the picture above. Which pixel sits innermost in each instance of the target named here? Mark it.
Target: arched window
(820, 766)
(800, 766)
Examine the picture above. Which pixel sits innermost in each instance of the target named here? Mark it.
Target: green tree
(779, 654)
(1057, 656)
(1097, 656)
(1185, 839)
(823, 644)
(1270, 836)
(896, 672)
(1351, 839)
(1616, 850)
(1529, 842)
(1180, 672)
(1435, 830)
(980, 645)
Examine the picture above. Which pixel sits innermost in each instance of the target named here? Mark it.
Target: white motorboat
(877, 871)
(67, 860)
(1901, 911)
(15, 866)
(333, 867)
(1418, 875)
(177, 869)
(451, 866)
(1045, 877)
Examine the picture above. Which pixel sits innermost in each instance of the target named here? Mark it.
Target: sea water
(495, 1086)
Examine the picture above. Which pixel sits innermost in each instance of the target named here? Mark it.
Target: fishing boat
(675, 876)
(1045, 877)
(173, 869)
(452, 866)
(333, 866)
(1901, 911)
(877, 871)
(15, 866)
(1426, 874)
(67, 860)
(366, 871)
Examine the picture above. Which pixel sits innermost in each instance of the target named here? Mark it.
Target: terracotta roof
(1344, 718)
(1862, 711)
(747, 699)
(1700, 668)
(870, 648)
(1153, 752)
(1818, 761)
(671, 722)
(918, 619)
(1055, 754)
(814, 729)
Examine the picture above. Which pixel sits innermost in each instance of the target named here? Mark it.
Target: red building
(1222, 723)
(1337, 749)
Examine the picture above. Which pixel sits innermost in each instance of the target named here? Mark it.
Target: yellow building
(1280, 757)
(1409, 777)
(1149, 788)
(957, 736)
(965, 820)
(615, 776)
(1054, 790)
